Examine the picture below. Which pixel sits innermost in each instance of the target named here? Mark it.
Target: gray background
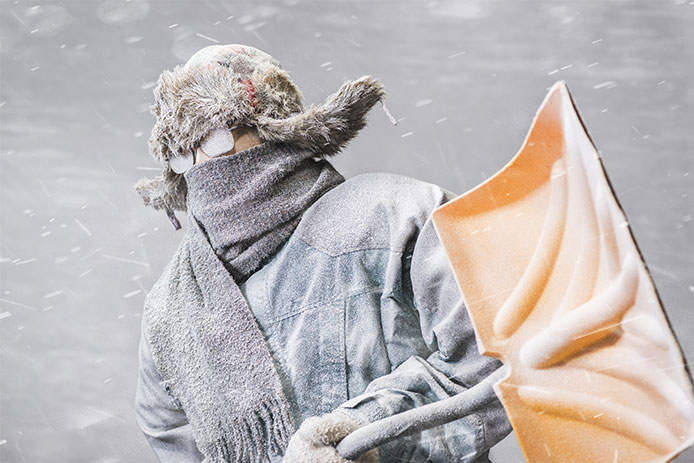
(78, 251)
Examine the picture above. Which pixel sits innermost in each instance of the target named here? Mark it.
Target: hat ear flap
(166, 191)
(326, 129)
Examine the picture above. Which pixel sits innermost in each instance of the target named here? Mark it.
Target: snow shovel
(557, 289)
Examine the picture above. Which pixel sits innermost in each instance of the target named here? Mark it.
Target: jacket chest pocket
(310, 347)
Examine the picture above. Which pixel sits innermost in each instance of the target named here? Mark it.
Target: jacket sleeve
(159, 415)
(454, 365)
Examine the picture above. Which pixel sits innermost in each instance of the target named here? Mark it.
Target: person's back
(346, 309)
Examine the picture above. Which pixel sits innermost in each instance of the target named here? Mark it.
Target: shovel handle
(418, 419)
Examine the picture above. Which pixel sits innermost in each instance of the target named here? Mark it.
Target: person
(299, 305)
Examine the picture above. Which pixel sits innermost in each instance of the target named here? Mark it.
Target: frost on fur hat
(228, 85)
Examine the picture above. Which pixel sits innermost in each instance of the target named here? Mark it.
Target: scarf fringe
(251, 438)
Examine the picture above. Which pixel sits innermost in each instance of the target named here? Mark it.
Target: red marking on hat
(250, 89)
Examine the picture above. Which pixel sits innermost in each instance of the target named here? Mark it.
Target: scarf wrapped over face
(205, 341)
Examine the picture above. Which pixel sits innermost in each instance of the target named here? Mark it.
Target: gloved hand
(316, 438)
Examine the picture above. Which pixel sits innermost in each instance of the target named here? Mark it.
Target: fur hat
(228, 85)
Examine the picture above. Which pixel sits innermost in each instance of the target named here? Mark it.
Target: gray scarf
(205, 340)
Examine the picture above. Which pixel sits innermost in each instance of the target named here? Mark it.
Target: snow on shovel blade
(557, 289)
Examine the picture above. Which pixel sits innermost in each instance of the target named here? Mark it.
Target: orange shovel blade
(557, 289)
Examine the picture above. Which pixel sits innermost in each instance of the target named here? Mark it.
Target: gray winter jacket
(361, 311)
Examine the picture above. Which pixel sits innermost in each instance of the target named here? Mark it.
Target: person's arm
(454, 366)
(160, 417)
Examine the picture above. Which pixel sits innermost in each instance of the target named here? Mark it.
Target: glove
(316, 438)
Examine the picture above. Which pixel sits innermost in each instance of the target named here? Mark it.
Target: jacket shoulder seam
(344, 252)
